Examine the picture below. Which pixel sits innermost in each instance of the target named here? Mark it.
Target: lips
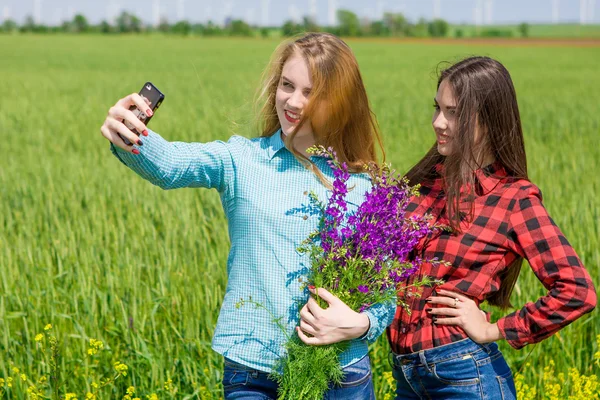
(291, 117)
(443, 139)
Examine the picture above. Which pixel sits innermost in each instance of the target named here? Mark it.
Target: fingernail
(428, 299)
(135, 151)
(145, 132)
(139, 142)
(311, 287)
(435, 319)
(149, 112)
(428, 309)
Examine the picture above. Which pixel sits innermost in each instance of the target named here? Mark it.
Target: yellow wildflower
(121, 368)
(48, 327)
(15, 370)
(9, 382)
(1, 382)
(94, 385)
(90, 396)
(131, 390)
(152, 396)
(169, 385)
(39, 337)
(70, 396)
(24, 377)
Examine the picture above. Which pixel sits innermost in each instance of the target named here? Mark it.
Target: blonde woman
(313, 94)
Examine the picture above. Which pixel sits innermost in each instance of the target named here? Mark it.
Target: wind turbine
(180, 10)
(37, 11)
(331, 12)
(5, 13)
(156, 12)
(582, 11)
(264, 6)
(489, 11)
(437, 9)
(555, 11)
(312, 10)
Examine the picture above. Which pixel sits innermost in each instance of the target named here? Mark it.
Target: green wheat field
(92, 249)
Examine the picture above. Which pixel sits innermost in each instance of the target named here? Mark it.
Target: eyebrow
(448, 107)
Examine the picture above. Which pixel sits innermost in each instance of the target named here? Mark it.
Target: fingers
(324, 294)
(443, 300)
(114, 138)
(445, 311)
(448, 293)
(134, 99)
(447, 321)
(306, 316)
(307, 340)
(314, 308)
(121, 114)
(307, 328)
(118, 127)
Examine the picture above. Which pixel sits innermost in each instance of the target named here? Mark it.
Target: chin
(444, 150)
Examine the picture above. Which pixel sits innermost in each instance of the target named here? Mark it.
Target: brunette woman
(474, 180)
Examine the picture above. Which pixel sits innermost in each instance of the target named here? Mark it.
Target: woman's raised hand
(119, 115)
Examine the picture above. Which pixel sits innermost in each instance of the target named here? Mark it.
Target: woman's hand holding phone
(114, 128)
(129, 117)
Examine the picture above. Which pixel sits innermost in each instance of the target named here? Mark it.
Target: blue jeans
(460, 370)
(244, 383)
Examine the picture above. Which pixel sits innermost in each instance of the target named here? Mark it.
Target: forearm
(172, 165)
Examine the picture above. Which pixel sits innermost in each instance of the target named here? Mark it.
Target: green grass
(536, 31)
(88, 246)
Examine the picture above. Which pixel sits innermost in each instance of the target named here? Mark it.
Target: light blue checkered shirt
(263, 189)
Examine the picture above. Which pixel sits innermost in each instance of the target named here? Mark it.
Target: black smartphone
(155, 97)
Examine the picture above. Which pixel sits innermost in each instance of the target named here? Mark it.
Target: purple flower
(363, 288)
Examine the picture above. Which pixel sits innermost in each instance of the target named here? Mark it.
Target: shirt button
(305, 217)
(404, 329)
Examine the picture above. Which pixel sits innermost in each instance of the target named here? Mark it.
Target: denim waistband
(440, 353)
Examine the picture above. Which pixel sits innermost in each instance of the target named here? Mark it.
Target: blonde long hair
(338, 108)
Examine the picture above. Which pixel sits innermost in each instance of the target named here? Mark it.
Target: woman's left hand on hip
(458, 309)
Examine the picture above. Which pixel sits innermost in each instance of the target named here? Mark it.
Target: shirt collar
(275, 144)
(488, 176)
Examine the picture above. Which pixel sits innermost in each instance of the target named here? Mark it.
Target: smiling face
(292, 96)
(444, 118)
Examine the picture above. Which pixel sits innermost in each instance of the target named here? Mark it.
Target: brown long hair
(486, 100)
(338, 108)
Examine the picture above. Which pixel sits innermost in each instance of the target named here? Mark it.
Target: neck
(302, 142)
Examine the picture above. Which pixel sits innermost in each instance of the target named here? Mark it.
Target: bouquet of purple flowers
(361, 258)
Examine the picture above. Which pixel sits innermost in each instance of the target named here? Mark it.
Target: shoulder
(520, 189)
(242, 145)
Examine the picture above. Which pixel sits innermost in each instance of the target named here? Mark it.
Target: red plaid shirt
(508, 221)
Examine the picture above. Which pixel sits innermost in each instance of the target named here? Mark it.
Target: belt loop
(424, 361)
(487, 347)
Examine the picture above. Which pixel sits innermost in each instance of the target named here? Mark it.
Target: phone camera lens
(148, 87)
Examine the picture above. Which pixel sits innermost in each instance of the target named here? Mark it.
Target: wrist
(492, 333)
(363, 325)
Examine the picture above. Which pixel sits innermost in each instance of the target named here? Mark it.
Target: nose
(296, 101)
(439, 122)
